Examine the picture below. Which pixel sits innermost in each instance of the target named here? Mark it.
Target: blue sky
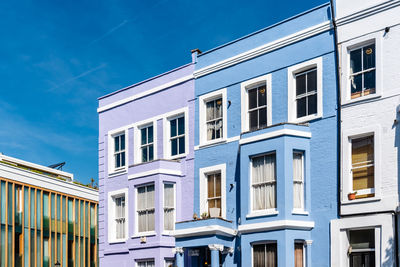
(58, 57)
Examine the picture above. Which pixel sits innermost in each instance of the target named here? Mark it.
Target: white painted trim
(346, 47)
(347, 180)
(228, 140)
(203, 187)
(154, 172)
(36, 166)
(149, 233)
(137, 158)
(111, 213)
(47, 182)
(244, 87)
(384, 237)
(167, 137)
(292, 107)
(145, 93)
(262, 213)
(202, 116)
(204, 230)
(275, 134)
(263, 49)
(110, 152)
(276, 225)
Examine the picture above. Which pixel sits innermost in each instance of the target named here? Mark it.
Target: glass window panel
(3, 202)
(32, 207)
(262, 117)
(123, 159)
(312, 104)
(312, 81)
(150, 134)
(369, 57)
(210, 110)
(181, 145)
(369, 82)
(26, 247)
(174, 147)
(151, 153)
(122, 141)
(300, 84)
(117, 161)
(298, 255)
(218, 108)
(210, 186)
(253, 119)
(356, 85)
(144, 136)
(38, 252)
(32, 250)
(363, 163)
(46, 211)
(38, 210)
(144, 154)
(26, 208)
(116, 143)
(218, 184)
(173, 127)
(355, 61)
(252, 98)
(262, 96)
(362, 239)
(181, 125)
(10, 210)
(301, 107)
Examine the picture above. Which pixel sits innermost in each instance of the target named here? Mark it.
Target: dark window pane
(122, 142)
(369, 81)
(362, 239)
(262, 96)
(150, 133)
(116, 143)
(174, 147)
(151, 156)
(117, 161)
(356, 86)
(253, 119)
(144, 154)
(123, 159)
(300, 84)
(218, 129)
(181, 145)
(312, 104)
(312, 81)
(181, 125)
(369, 57)
(262, 117)
(355, 61)
(301, 107)
(144, 136)
(173, 128)
(252, 98)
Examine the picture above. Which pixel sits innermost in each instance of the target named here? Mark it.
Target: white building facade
(368, 37)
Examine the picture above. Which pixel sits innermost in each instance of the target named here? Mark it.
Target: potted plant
(214, 212)
(352, 195)
(204, 215)
(195, 217)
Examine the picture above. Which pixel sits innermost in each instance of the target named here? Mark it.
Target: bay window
(263, 182)
(145, 208)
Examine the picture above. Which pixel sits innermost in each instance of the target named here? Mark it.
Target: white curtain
(263, 176)
(298, 191)
(145, 264)
(120, 217)
(264, 255)
(150, 208)
(146, 208)
(169, 207)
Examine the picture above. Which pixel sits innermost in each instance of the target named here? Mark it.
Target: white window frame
(263, 243)
(203, 172)
(292, 105)
(302, 209)
(111, 215)
(345, 60)
(244, 88)
(347, 183)
(138, 144)
(169, 232)
(147, 233)
(167, 134)
(202, 116)
(111, 161)
(266, 212)
(145, 260)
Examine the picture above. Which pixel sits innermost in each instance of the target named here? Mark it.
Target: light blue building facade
(266, 149)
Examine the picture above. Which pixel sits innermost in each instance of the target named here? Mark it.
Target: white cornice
(154, 172)
(204, 230)
(266, 48)
(145, 93)
(276, 225)
(366, 12)
(275, 134)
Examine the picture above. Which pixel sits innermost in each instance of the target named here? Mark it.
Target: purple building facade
(145, 168)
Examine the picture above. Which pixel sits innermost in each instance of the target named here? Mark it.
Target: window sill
(138, 235)
(262, 213)
(360, 99)
(117, 241)
(168, 233)
(360, 200)
(300, 212)
(180, 156)
(117, 172)
(212, 143)
(306, 118)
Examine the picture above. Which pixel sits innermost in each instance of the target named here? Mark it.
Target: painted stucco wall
(127, 117)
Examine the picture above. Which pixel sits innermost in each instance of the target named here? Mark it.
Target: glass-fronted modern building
(46, 217)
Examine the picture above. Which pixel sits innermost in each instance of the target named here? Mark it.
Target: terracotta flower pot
(351, 196)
